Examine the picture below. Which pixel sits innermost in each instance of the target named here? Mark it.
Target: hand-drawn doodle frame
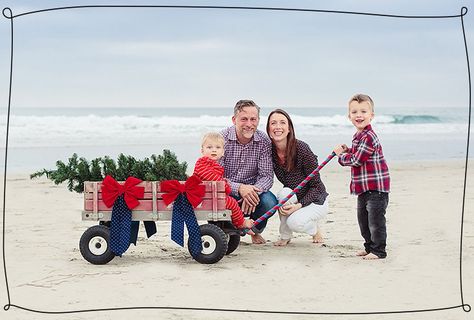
(7, 13)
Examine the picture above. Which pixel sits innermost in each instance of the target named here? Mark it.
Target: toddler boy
(207, 168)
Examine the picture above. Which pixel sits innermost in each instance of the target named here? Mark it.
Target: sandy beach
(47, 272)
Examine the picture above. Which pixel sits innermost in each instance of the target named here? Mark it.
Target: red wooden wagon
(218, 236)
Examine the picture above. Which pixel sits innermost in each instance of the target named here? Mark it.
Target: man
(248, 164)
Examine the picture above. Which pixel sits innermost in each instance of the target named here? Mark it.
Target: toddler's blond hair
(214, 137)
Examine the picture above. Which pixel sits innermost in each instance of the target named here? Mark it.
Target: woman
(293, 161)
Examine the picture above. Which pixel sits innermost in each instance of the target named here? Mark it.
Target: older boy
(370, 179)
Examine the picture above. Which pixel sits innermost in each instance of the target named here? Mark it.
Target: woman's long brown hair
(290, 152)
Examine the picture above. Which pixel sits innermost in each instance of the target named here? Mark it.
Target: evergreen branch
(78, 170)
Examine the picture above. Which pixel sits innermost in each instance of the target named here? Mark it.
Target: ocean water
(40, 136)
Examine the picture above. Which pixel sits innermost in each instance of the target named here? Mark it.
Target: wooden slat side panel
(88, 185)
(162, 216)
(95, 198)
(149, 195)
(147, 205)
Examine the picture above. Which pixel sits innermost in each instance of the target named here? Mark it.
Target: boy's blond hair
(212, 136)
(360, 97)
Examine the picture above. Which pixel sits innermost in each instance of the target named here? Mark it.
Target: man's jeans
(267, 201)
(371, 207)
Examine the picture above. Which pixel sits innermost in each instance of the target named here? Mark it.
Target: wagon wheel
(233, 234)
(214, 244)
(95, 245)
(234, 241)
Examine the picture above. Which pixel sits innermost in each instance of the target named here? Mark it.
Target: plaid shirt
(369, 171)
(249, 163)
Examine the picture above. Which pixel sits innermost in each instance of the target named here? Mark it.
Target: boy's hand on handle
(248, 224)
(246, 228)
(340, 148)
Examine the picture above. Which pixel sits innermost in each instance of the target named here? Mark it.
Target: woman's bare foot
(318, 237)
(257, 239)
(361, 253)
(370, 256)
(281, 242)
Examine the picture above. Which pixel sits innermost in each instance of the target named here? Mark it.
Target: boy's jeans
(371, 206)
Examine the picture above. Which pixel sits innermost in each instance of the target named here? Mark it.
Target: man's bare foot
(258, 239)
(370, 256)
(318, 237)
(361, 253)
(281, 242)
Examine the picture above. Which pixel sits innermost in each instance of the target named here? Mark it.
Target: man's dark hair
(245, 103)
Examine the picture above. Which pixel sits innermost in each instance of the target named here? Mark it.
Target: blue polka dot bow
(123, 198)
(186, 197)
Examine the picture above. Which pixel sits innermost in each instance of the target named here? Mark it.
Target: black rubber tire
(234, 241)
(97, 237)
(214, 244)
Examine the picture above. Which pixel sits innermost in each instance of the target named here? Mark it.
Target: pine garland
(78, 170)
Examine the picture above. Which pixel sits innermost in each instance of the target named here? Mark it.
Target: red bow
(111, 189)
(193, 189)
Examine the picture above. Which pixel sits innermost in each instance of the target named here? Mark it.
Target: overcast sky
(204, 57)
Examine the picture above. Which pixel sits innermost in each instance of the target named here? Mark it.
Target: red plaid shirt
(369, 170)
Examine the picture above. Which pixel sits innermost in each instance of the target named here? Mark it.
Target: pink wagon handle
(270, 212)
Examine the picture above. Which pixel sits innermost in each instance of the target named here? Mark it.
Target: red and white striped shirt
(209, 170)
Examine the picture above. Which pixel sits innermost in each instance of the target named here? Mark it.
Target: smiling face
(360, 114)
(213, 149)
(278, 128)
(246, 123)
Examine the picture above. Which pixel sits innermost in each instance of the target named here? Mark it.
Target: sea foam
(62, 130)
